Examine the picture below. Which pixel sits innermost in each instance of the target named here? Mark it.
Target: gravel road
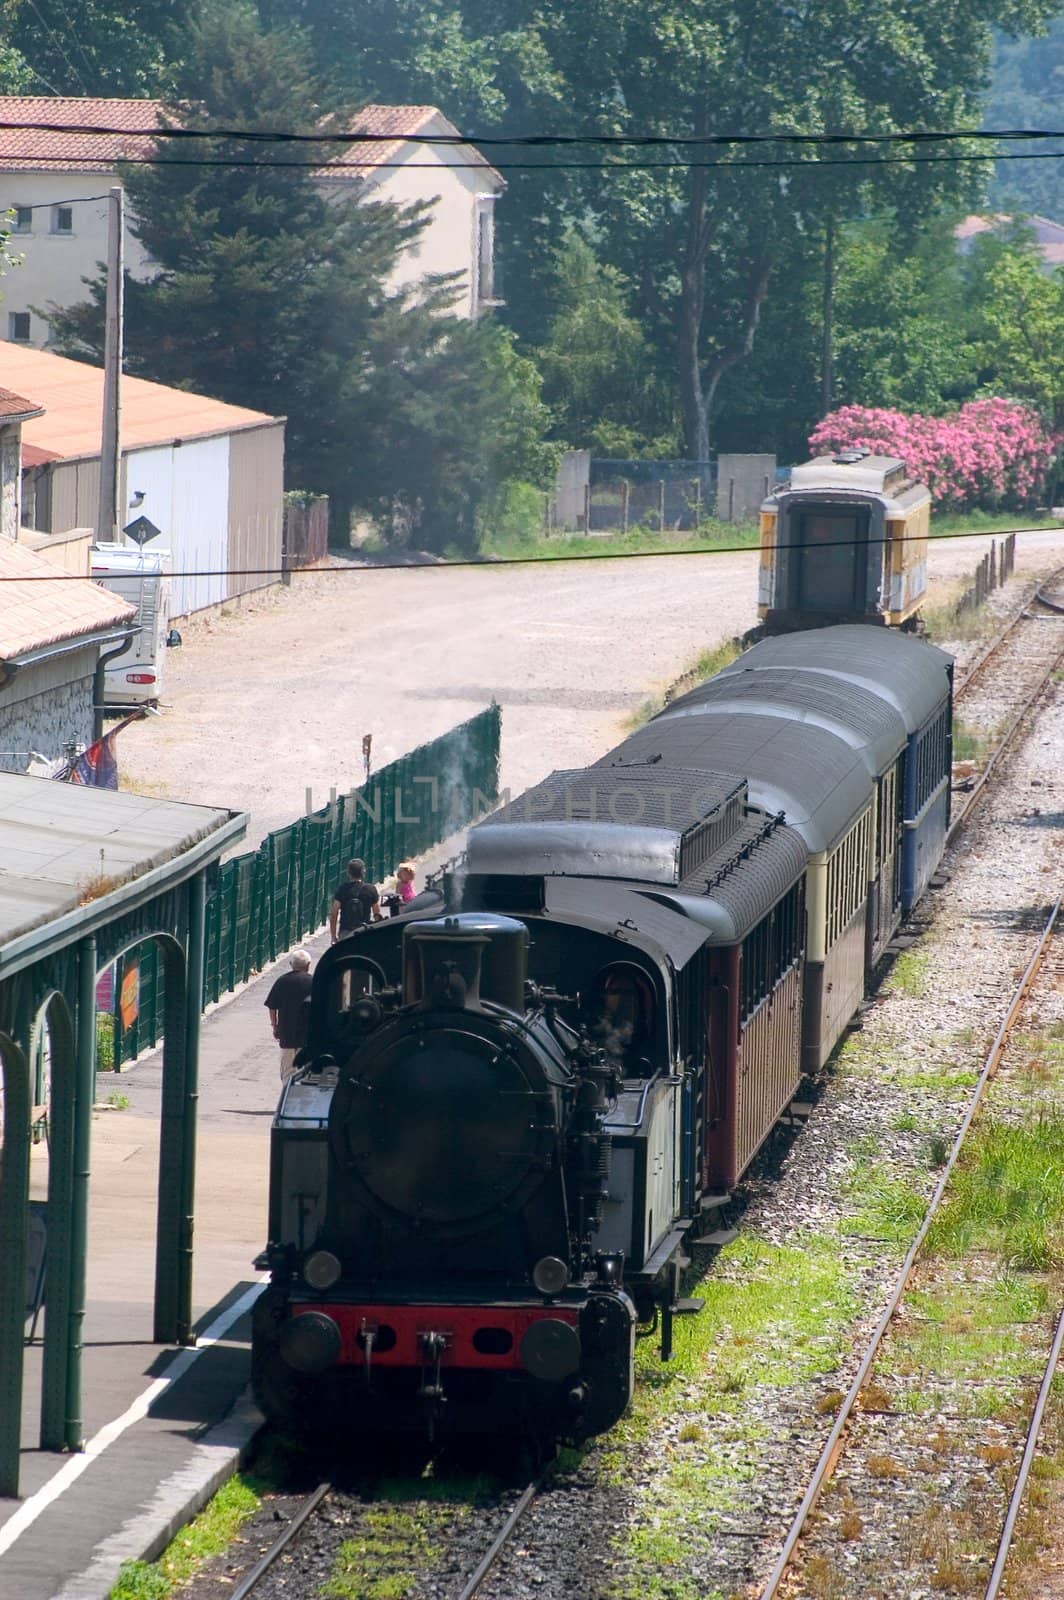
(269, 699)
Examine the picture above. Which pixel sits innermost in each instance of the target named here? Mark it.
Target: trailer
(134, 677)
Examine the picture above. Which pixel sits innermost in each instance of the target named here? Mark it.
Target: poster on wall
(129, 997)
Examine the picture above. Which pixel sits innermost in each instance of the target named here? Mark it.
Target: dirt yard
(274, 698)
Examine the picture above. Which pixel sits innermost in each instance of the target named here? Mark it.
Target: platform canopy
(85, 875)
(64, 849)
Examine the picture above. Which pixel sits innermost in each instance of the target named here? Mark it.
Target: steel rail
(502, 1538)
(1002, 746)
(1035, 1428)
(991, 648)
(252, 1579)
(833, 1446)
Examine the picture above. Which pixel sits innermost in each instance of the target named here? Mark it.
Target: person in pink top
(404, 878)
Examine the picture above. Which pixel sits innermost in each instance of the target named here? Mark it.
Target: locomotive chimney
(456, 962)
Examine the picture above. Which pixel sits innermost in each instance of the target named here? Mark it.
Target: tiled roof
(72, 395)
(32, 149)
(13, 405)
(29, 149)
(391, 127)
(384, 122)
(39, 608)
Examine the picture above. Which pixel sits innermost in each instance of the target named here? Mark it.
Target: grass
(706, 665)
(401, 1536)
(209, 1535)
(909, 974)
(1007, 1195)
(711, 535)
(105, 1041)
(987, 522)
(887, 1208)
(948, 621)
(968, 745)
(774, 1318)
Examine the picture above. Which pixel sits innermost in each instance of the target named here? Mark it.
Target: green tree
(1019, 322)
(98, 47)
(904, 316)
(1027, 91)
(600, 372)
(703, 248)
(271, 296)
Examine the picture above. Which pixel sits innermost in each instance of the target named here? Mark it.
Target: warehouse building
(209, 476)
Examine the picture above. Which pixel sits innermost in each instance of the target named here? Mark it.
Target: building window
(23, 222)
(485, 254)
(62, 219)
(18, 327)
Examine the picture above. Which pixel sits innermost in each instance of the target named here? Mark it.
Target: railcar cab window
(622, 1016)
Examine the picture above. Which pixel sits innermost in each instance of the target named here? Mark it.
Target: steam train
(521, 1103)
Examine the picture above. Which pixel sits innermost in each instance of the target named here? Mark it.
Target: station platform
(163, 1425)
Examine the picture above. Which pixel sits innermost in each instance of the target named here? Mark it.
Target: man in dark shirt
(286, 1003)
(355, 902)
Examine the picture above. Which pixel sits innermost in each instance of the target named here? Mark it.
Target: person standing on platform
(286, 1003)
(355, 902)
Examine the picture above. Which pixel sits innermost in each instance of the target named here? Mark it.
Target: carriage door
(833, 560)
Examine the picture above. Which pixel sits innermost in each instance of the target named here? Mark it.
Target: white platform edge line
(68, 1474)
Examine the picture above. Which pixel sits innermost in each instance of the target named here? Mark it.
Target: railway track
(850, 1411)
(1046, 601)
(256, 1579)
(1003, 685)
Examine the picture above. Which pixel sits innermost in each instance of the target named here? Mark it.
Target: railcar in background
(844, 541)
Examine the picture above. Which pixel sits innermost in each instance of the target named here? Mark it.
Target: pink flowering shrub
(991, 453)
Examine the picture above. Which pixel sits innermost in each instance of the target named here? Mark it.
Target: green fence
(264, 902)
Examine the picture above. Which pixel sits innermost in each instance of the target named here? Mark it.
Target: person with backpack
(355, 903)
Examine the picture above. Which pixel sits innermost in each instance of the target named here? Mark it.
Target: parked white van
(135, 678)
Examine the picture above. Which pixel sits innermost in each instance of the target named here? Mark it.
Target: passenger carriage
(844, 541)
(915, 679)
(819, 784)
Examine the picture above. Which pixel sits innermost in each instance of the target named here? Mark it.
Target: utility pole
(107, 519)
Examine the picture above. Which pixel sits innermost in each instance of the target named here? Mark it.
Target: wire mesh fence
(262, 903)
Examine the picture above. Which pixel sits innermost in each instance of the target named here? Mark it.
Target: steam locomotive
(521, 1102)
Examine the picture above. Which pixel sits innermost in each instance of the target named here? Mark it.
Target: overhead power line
(538, 140)
(806, 164)
(488, 562)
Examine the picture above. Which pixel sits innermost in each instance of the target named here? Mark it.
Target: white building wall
(186, 495)
(53, 264)
(449, 243)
